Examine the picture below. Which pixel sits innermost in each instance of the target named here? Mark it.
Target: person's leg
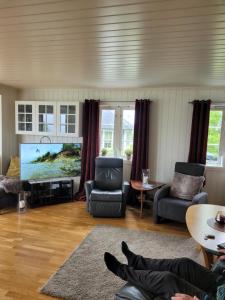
(160, 283)
(185, 268)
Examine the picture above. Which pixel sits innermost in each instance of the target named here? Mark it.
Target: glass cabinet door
(24, 117)
(67, 119)
(46, 118)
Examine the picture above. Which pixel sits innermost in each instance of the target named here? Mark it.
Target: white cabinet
(48, 118)
(45, 120)
(68, 119)
(25, 112)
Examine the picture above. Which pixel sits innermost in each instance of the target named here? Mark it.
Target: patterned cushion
(14, 167)
(186, 186)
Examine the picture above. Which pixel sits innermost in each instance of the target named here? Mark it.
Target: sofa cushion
(101, 195)
(186, 186)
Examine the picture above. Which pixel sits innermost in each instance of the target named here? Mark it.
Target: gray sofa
(106, 194)
(167, 207)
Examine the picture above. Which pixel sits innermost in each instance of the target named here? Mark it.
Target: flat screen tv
(45, 161)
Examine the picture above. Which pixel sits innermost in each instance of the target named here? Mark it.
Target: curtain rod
(212, 103)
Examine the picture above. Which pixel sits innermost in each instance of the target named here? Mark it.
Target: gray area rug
(84, 276)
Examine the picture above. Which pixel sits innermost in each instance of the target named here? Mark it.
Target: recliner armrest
(125, 189)
(201, 198)
(88, 186)
(161, 193)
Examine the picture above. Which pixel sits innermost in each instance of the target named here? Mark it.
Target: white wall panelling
(170, 124)
(8, 137)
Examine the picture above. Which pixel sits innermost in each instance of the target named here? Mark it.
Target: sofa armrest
(88, 186)
(161, 193)
(201, 198)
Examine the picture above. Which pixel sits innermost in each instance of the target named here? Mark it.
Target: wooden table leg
(141, 204)
(208, 258)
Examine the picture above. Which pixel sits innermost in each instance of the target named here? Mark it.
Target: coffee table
(196, 220)
(139, 186)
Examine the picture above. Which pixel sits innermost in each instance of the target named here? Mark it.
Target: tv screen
(43, 161)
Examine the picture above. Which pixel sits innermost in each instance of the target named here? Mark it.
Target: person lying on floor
(175, 279)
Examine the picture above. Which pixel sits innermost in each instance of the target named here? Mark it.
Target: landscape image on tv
(42, 161)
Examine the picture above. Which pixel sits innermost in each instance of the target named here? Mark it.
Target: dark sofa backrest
(108, 173)
(190, 168)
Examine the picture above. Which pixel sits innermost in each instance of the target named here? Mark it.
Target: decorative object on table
(215, 225)
(220, 217)
(84, 276)
(128, 153)
(145, 176)
(104, 152)
(106, 195)
(22, 202)
(174, 208)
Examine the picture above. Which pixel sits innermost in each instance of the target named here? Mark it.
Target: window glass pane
(28, 126)
(41, 127)
(41, 118)
(214, 134)
(49, 109)
(71, 119)
(63, 128)
(107, 130)
(29, 108)
(28, 117)
(21, 117)
(41, 109)
(72, 109)
(49, 128)
(22, 126)
(63, 119)
(71, 128)
(20, 108)
(50, 119)
(63, 109)
(127, 130)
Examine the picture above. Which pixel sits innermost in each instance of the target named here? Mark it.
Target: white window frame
(221, 162)
(117, 138)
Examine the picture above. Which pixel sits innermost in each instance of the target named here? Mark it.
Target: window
(215, 140)
(117, 130)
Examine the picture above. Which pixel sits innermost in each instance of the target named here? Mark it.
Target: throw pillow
(186, 186)
(14, 167)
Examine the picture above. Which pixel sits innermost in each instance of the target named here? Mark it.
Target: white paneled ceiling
(117, 43)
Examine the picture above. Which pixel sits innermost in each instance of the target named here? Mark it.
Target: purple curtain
(141, 138)
(199, 131)
(90, 141)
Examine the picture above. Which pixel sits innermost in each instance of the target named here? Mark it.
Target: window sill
(215, 168)
(127, 162)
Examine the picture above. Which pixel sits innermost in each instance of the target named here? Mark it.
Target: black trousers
(165, 277)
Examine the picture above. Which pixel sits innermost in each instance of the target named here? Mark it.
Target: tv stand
(49, 191)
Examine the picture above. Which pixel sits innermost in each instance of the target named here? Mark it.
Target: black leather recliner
(106, 194)
(167, 207)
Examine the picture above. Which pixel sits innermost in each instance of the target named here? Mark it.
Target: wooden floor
(35, 244)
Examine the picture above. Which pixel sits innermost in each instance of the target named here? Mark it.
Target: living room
(168, 53)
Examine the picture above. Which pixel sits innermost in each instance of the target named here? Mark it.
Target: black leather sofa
(106, 194)
(130, 292)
